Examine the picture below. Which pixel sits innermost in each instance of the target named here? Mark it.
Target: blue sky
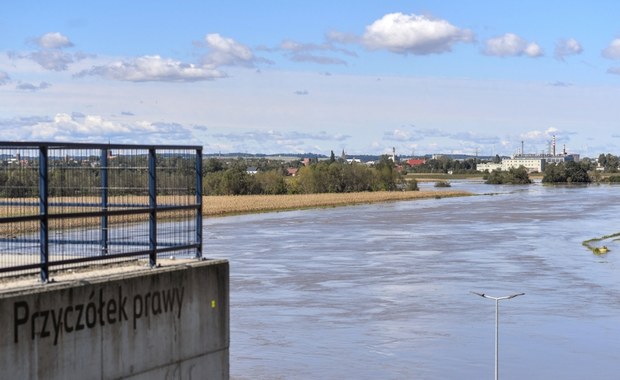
(280, 76)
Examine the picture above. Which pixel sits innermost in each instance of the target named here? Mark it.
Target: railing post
(104, 201)
(43, 212)
(152, 208)
(199, 202)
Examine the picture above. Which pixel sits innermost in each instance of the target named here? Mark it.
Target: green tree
(21, 183)
(232, 181)
(614, 179)
(357, 177)
(212, 165)
(236, 181)
(341, 177)
(271, 182)
(412, 185)
(514, 176)
(212, 183)
(566, 172)
(602, 159)
(611, 163)
(305, 181)
(386, 175)
(495, 177)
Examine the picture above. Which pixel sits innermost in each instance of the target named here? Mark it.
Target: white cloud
(64, 125)
(613, 50)
(567, 47)
(403, 34)
(511, 45)
(228, 52)
(276, 141)
(93, 128)
(399, 135)
(540, 136)
(50, 54)
(56, 60)
(534, 50)
(53, 41)
(154, 68)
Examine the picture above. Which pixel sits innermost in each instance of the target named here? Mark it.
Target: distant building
(490, 166)
(292, 171)
(251, 170)
(532, 162)
(416, 161)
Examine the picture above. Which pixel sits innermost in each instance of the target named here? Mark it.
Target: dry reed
(212, 206)
(230, 205)
(25, 207)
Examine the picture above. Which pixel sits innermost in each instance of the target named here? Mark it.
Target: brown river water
(382, 291)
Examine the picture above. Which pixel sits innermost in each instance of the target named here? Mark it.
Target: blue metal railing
(94, 202)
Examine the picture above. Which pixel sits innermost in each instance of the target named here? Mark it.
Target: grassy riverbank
(231, 205)
(433, 177)
(212, 206)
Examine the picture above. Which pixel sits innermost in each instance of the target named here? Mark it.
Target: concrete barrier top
(96, 273)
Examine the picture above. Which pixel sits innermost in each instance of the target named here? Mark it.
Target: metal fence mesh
(63, 205)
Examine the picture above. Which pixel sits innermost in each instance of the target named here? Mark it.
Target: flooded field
(382, 291)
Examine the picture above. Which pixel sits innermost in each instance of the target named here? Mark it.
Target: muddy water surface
(382, 291)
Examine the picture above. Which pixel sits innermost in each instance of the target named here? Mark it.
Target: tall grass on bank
(85, 204)
(212, 206)
(230, 205)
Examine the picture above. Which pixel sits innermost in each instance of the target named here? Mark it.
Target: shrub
(513, 176)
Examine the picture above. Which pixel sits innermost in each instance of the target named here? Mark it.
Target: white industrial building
(532, 162)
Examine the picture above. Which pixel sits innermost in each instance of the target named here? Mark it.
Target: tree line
(444, 164)
(129, 175)
(563, 172)
(327, 176)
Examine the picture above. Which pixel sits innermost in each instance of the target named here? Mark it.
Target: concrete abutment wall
(165, 323)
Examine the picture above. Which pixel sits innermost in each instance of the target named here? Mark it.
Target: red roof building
(416, 161)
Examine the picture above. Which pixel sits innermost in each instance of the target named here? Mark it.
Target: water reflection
(382, 291)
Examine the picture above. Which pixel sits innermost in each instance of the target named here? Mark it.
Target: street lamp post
(497, 299)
